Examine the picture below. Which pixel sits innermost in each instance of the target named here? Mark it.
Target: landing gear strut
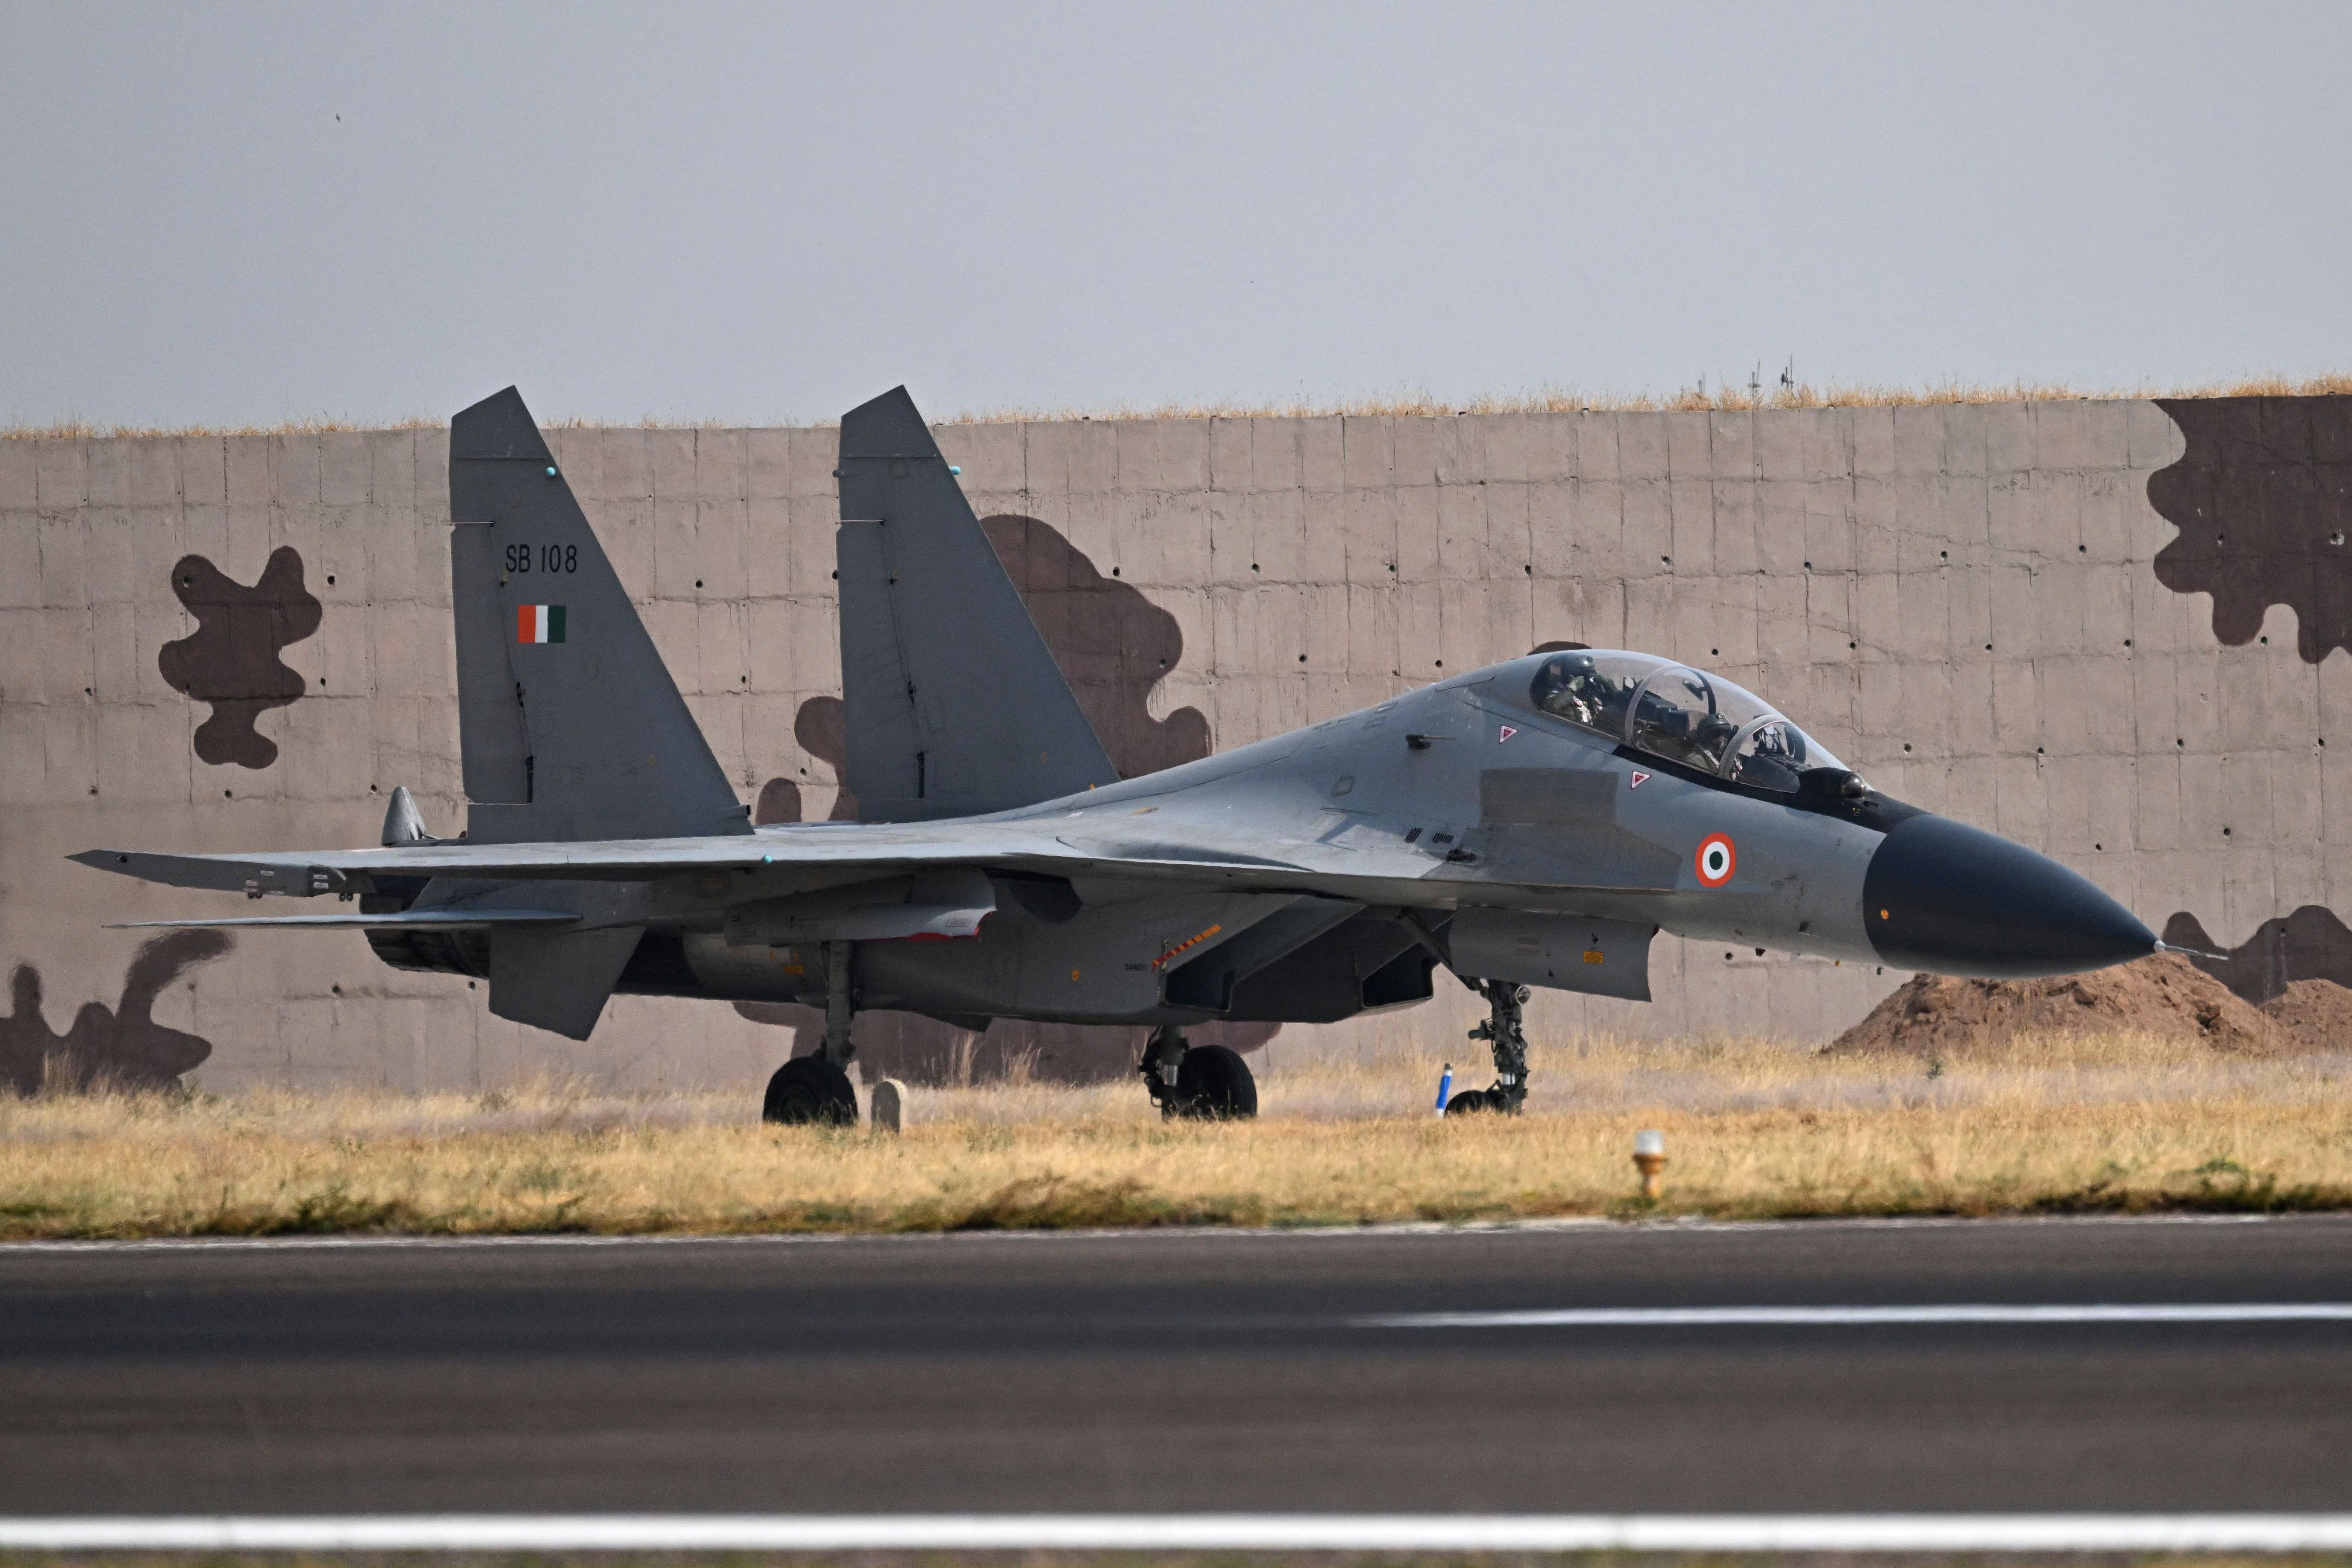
(1205, 1082)
(1503, 1031)
(1163, 1059)
(838, 1006)
(815, 1089)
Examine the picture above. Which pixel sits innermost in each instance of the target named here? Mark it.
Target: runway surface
(1157, 1373)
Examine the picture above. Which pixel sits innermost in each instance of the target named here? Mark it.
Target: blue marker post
(1444, 1088)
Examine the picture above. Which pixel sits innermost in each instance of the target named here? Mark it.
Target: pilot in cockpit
(1773, 758)
(1572, 686)
(1678, 718)
(1681, 715)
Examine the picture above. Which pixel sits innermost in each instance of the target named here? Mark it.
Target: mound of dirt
(2315, 1015)
(2163, 995)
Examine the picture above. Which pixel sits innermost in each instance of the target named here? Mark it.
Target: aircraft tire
(1213, 1085)
(810, 1092)
(1470, 1103)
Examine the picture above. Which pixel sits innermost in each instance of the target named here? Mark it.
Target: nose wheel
(1501, 1030)
(1198, 1082)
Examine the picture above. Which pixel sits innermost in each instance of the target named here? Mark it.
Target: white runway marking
(1205, 1531)
(1711, 1317)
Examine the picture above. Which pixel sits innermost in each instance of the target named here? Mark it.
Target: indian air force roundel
(1718, 859)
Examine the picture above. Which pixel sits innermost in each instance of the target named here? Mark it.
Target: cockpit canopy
(1682, 715)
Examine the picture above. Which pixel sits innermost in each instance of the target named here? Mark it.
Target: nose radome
(1943, 896)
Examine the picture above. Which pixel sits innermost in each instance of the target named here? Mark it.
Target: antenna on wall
(1789, 374)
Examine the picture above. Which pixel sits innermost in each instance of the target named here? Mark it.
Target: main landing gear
(810, 1092)
(1502, 1029)
(815, 1090)
(1204, 1082)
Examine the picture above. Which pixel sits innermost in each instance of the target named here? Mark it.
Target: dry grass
(1754, 1129)
(85, 430)
(1160, 1559)
(1700, 397)
(1409, 404)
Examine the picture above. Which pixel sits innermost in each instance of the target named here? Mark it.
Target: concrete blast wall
(2103, 629)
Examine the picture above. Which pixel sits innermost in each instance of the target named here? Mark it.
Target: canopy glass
(1682, 715)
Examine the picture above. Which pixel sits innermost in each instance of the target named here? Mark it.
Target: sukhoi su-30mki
(1532, 823)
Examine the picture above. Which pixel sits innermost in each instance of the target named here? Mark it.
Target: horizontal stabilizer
(408, 920)
(289, 874)
(559, 980)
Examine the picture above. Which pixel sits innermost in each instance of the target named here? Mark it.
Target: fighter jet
(1536, 822)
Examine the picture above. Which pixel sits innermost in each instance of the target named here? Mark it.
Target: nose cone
(1945, 897)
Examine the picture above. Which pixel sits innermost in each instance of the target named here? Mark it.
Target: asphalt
(1173, 1372)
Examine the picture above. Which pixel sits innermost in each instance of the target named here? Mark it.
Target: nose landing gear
(1202, 1083)
(1503, 1031)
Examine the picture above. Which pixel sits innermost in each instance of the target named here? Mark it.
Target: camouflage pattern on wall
(2012, 612)
(2263, 499)
(2311, 943)
(231, 660)
(121, 1046)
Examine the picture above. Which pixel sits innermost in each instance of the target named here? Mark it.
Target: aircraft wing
(1080, 845)
(883, 849)
(445, 919)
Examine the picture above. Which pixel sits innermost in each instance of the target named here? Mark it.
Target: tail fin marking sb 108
(569, 725)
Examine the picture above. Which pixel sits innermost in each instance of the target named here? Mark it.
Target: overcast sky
(235, 214)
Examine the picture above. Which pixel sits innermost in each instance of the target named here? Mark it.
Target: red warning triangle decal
(1638, 779)
(1507, 732)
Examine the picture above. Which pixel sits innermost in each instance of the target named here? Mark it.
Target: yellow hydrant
(1650, 1159)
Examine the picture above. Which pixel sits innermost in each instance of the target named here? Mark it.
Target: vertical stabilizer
(569, 725)
(953, 702)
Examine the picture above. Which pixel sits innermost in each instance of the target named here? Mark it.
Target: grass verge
(1754, 1129)
(1408, 402)
(1166, 1559)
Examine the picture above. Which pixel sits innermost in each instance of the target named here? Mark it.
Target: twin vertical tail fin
(953, 702)
(572, 728)
(569, 723)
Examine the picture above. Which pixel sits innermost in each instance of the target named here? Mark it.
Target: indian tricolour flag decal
(538, 623)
